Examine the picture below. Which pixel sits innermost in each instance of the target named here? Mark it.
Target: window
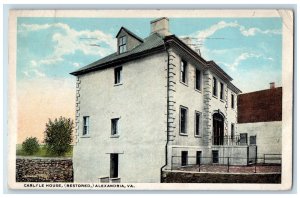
(114, 127)
(122, 44)
(215, 155)
(244, 138)
(221, 91)
(198, 157)
(85, 125)
(183, 73)
(114, 165)
(198, 80)
(184, 158)
(118, 75)
(253, 140)
(214, 86)
(183, 120)
(198, 117)
(232, 101)
(232, 131)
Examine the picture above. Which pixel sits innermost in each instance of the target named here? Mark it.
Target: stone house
(153, 104)
(260, 117)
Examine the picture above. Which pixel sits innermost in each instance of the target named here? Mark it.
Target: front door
(218, 129)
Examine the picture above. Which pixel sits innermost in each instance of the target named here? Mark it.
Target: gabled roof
(130, 33)
(152, 42)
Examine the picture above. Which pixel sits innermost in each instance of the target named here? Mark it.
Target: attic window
(122, 44)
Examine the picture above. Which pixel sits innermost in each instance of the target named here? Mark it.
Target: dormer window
(122, 44)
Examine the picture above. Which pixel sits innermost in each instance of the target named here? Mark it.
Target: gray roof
(152, 41)
(129, 32)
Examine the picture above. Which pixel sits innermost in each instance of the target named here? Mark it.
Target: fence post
(228, 164)
(255, 164)
(172, 162)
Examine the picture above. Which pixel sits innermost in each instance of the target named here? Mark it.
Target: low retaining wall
(186, 177)
(31, 169)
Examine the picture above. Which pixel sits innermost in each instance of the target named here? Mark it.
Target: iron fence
(241, 139)
(266, 164)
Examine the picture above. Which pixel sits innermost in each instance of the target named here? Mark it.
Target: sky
(48, 49)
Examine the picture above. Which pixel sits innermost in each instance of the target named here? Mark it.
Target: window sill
(198, 90)
(114, 136)
(85, 136)
(198, 136)
(222, 100)
(185, 84)
(216, 97)
(118, 84)
(183, 134)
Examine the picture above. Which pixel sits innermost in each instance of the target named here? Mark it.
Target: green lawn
(42, 152)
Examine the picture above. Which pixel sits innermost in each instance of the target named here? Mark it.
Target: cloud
(206, 33)
(244, 56)
(76, 64)
(33, 70)
(30, 73)
(254, 31)
(203, 34)
(67, 40)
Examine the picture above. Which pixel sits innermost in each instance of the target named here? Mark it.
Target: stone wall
(184, 177)
(32, 169)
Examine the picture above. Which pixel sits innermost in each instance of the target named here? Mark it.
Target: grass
(41, 153)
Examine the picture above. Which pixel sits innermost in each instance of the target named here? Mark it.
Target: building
(260, 116)
(154, 104)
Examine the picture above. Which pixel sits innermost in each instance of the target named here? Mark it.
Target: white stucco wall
(224, 106)
(140, 103)
(188, 97)
(268, 136)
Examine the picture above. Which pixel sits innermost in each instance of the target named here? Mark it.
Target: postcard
(150, 99)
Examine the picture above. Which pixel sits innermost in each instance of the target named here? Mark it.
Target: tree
(58, 136)
(30, 145)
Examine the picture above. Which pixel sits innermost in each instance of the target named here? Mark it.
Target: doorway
(218, 129)
(184, 158)
(198, 157)
(114, 165)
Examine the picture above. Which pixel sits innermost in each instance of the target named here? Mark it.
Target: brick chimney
(160, 26)
(272, 85)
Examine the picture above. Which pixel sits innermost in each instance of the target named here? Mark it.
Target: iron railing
(241, 139)
(227, 164)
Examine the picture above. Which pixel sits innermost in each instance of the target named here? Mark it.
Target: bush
(30, 145)
(58, 136)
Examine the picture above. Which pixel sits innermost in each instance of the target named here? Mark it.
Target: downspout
(168, 102)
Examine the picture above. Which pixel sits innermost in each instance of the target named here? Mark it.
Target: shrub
(58, 136)
(30, 145)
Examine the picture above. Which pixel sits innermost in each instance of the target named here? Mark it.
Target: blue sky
(48, 49)
(248, 49)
